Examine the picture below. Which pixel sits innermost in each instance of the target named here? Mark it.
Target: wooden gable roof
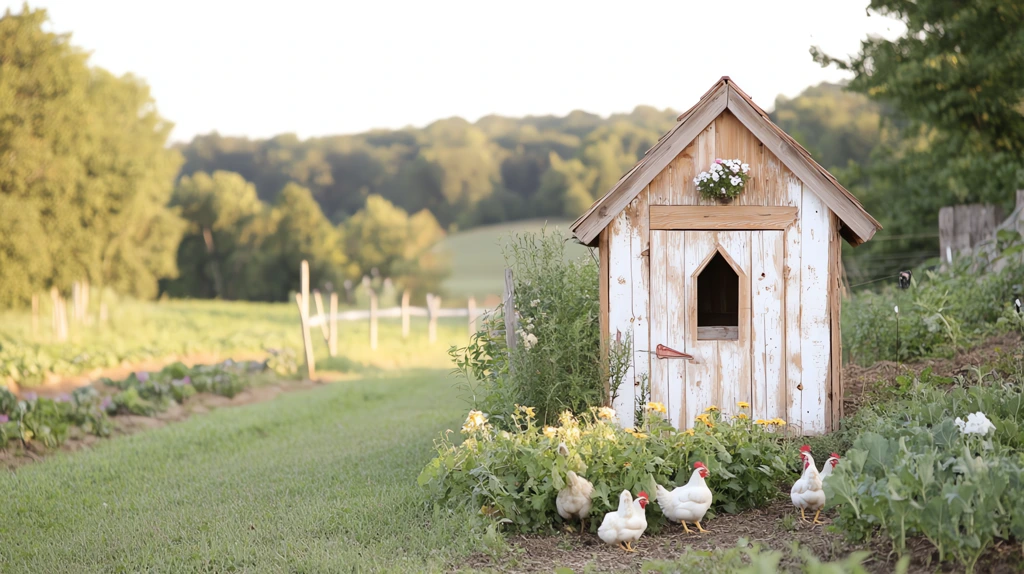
(857, 224)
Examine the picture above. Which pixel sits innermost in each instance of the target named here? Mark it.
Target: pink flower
(142, 376)
(31, 396)
(4, 418)
(718, 161)
(63, 398)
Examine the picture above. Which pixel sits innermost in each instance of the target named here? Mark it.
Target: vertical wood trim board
(836, 393)
(602, 295)
(639, 233)
(620, 306)
(814, 319)
(792, 342)
(660, 319)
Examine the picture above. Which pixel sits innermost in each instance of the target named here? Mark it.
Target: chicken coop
(727, 301)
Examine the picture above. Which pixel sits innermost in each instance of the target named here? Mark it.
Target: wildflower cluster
(724, 180)
(514, 475)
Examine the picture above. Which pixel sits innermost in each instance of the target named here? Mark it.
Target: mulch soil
(766, 526)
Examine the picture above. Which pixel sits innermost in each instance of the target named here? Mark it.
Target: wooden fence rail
(327, 322)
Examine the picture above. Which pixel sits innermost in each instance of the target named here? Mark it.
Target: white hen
(826, 469)
(688, 503)
(625, 526)
(807, 493)
(573, 501)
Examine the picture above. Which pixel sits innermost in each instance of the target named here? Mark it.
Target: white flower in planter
(529, 341)
(977, 423)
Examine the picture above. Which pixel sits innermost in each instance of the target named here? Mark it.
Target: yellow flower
(779, 422)
(605, 413)
(762, 422)
(572, 434)
(639, 435)
(742, 416)
(657, 407)
(711, 409)
(689, 432)
(627, 465)
(550, 432)
(528, 411)
(704, 418)
(743, 405)
(566, 418)
(474, 422)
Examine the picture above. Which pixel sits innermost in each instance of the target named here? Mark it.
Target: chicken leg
(685, 529)
(629, 546)
(803, 517)
(816, 515)
(701, 528)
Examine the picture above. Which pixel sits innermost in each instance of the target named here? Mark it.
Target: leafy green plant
(515, 474)
(912, 472)
(556, 364)
(745, 558)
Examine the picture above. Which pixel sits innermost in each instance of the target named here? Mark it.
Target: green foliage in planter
(557, 362)
(514, 475)
(912, 472)
(943, 311)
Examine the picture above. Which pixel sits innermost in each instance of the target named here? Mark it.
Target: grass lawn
(478, 267)
(315, 481)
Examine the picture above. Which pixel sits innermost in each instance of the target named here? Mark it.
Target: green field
(478, 267)
(314, 481)
(139, 331)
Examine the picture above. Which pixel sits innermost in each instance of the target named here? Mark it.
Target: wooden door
(717, 295)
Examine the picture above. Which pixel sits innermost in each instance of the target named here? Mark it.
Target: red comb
(805, 448)
(834, 455)
(699, 464)
(642, 494)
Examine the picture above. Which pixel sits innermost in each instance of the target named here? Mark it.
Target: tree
(384, 237)
(956, 77)
(85, 162)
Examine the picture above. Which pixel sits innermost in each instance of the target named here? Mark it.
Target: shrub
(514, 475)
(942, 312)
(557, 363)
(745, 559)
(913, 472)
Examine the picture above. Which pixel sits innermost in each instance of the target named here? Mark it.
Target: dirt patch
(859, 381)
(766, 527)
(15, 456)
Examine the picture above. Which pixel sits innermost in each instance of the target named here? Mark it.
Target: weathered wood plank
(702, 371)
(705, 155)
(639, 245)
(792, 276)
(718, 333)
(835, 282)
(661, 318)
(717, 217)
(677, 314)
(734, 379)
(620, 307)
(814, 318)
(602, 296)
(767, 329)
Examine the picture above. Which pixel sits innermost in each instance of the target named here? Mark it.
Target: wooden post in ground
(405, 314)
(35, 314)
(471, 307)
(332, 337)
(511, 324)
(304, 285)
(373, 320)
(433, 305)
(307, 340)
(324, 327)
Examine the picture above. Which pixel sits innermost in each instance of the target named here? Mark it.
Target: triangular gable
(858, 225)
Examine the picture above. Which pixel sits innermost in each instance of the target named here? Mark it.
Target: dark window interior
(718, 295)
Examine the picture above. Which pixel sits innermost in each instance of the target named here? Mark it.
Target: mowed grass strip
(314, 481)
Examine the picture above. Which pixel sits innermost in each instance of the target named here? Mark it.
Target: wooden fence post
(35, 314)
(511, 324)
(324, 327)
(963, 227)
(332, 338)
(433, 306)
(304, 283)
(373, 320)
(471, 308)
(405, 314)
(307, 341)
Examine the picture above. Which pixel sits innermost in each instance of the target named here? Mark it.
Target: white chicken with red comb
(807, 493)
(687, 503)
(624, 526)
(830, 464)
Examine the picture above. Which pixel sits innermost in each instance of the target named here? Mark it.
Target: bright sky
(259, 68)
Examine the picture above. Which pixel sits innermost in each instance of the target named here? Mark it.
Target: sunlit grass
(315, 481)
